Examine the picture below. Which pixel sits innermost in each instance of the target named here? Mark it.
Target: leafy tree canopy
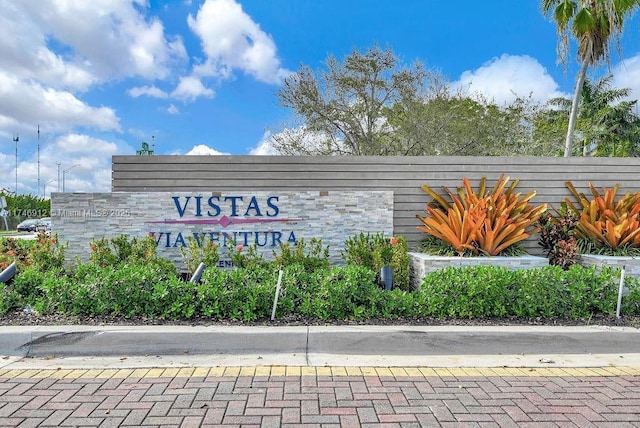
(370, 104)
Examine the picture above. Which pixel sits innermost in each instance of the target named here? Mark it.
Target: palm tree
(609, 118)
(605, 121)
(592, 23)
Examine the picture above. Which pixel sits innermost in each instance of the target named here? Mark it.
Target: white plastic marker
(275, 298)
(620, 292)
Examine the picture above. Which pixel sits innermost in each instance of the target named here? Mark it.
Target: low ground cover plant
(138, 284)
(549, 292)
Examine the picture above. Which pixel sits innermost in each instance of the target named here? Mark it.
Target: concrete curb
(119, 347)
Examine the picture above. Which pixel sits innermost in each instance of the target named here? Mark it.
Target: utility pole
(39, 161)
(59, 175)
(15, 140)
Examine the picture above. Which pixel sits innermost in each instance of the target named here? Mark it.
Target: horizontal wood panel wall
(403, 175)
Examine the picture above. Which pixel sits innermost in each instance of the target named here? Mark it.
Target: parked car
(29, 225)
(45, 224)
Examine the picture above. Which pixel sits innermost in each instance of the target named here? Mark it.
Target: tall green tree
(342, 108)
(606, 122)
(24, 206)
(453, 124)
(592, 23)
(611, 126)
(369, 104)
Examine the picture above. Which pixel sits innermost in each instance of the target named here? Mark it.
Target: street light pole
(64, 173)
(59, 175)
(45, 187)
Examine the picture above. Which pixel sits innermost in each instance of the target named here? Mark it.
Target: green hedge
(338, 293)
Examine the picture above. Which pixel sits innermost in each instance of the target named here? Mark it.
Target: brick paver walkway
(321, 397)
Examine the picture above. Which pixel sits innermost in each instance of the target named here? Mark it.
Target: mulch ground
(23, 318)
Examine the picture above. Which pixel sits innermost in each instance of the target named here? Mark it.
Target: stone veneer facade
(268, 217)
(421, 264)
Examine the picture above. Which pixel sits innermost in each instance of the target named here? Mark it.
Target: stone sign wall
(403, 175)
(261, 218)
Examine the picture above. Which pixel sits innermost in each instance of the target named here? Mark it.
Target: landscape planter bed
(631, 264)
(421, 264)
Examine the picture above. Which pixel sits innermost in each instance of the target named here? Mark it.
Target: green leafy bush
(238, 294)
(348, 293)
(9, 299)
(201, 250)
(245, 257)
(312, 256)
(125, 289)
(550, 292)
(14, 250)
(631, 303)
(123, 249)
(35, 288)
(466, 292)
(557, 238)
(375, 251)
(134, 287)
(47, 252)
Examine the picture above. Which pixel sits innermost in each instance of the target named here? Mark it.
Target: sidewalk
(321, 397)
(320, 377)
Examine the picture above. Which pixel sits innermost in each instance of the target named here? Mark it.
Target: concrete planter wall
(421, 264)
(631, 264)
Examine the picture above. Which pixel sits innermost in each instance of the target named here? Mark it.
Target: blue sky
(201, 76)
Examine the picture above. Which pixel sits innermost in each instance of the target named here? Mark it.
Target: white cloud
(232, 40)
(52, 52)
(106, 38)
(150, 91)
(27, 102)
(627, 75)
(173, 109)
(189, 88)
(503, 79)
(24, 51)
(265, 146)
(202, 149)
(84, 144)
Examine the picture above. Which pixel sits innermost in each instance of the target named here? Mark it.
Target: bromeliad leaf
(481, 223)
(606, 224)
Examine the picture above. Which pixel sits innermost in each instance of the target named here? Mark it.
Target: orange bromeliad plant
(605, 222)
(483, 222)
